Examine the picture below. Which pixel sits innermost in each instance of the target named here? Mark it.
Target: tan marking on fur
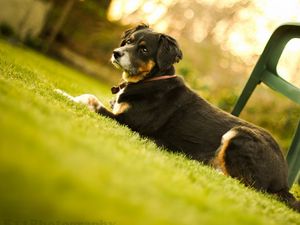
(131, 79)
(147, 67)
(120, 108)
(93, 103)
(219, 160)
(143, 70)
(142, 43)
(132, 37)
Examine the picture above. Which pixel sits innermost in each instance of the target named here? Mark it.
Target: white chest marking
(120, 107)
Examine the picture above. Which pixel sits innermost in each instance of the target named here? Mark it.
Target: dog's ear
(127, 33)
(168, 52)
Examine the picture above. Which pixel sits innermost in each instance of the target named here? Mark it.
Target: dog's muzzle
(117, 54)
(115, 58)
(121, 60)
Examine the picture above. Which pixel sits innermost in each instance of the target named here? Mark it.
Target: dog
(157, 104)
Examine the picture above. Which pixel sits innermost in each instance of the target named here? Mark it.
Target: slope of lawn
(61, 164)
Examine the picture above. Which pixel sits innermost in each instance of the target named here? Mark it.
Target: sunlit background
(243, 32)
(221, 42)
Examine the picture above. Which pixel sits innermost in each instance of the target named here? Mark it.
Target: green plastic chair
(265, 71)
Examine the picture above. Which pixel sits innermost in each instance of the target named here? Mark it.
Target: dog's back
(178, 119)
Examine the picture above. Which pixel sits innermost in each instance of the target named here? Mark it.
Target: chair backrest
(266, 71)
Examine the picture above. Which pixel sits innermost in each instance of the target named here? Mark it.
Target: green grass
(60, 162)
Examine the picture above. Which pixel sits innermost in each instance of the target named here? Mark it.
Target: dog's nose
(117, 54)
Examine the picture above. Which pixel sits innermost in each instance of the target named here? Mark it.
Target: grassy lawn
(60, 162)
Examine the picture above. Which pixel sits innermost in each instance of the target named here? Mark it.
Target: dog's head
(144, 53)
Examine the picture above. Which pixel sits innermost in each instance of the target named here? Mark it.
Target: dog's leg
(286, 197)
(93, 104)
(253, 157)
(249, 155)
(89, 100)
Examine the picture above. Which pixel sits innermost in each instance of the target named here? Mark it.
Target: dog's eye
(128, 42)
(144, 49)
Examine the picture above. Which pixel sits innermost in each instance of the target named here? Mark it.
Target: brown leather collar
(116, 89)
(160, 78)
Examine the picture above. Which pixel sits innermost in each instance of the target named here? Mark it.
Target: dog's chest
(120, 107)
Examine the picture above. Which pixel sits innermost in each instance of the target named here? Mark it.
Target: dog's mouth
(116, 63)
(123, 65)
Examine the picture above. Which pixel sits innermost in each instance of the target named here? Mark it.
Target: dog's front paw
(90, 101)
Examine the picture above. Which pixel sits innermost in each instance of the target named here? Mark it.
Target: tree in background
(58, 24)
(81, 26)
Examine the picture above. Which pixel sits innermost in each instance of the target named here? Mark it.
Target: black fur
(129, 32)
(168, 52)
(176, 118)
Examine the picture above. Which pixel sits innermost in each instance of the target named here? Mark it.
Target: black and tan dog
(157, 104)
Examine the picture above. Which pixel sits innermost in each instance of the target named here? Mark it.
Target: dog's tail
(289, 199)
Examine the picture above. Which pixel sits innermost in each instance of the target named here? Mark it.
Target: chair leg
(247, 91)
(293, 158)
